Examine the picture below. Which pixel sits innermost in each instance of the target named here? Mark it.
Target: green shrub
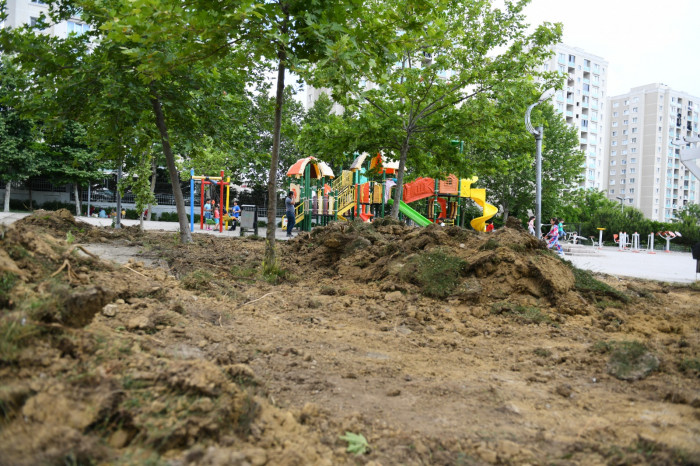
(58, 205)
(630, 360)
(522, 314)
(586, 283)
(690, 366)
(23, 204)
(435, 272)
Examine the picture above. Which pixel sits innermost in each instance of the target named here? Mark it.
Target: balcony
(594, 118)
(594, 106)
(587, 69)
(583, 140)
(569, 113)
(570, 100)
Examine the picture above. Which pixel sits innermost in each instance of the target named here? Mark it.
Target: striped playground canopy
(382, 164)
(359, 160)
(317, 168)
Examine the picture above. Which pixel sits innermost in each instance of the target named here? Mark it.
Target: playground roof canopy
(317, 169)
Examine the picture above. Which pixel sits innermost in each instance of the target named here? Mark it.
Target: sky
(644, 41)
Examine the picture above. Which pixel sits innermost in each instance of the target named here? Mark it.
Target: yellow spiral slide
(479, 196)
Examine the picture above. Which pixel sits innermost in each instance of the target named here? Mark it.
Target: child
(531, 225)
(553, 237)
(217, 216)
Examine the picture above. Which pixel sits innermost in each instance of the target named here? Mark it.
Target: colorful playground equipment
(210, 181)
(365, 190)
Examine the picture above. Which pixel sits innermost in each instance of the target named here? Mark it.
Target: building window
(625, 122)
(33, 20)
(612, 183)
(631, 190)
(614, 143)
(633, 160)
(613, 172)
(613, 153)
(612, 163)
(616, 104)
(632, 170)
(634, 109)
(622, 191)
(614, 133)
(634, 130)
(624, 131)
(634, 119)
(631, 180)
(614, 123)
(626, 112)
(633, 150)
(77, 28)
(615, 114)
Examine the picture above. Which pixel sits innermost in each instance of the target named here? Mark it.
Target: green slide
(412, 214)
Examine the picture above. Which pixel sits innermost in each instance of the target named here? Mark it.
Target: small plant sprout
(70, 238)
(357, 443)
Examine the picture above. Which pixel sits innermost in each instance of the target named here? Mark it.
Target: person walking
(289, 210)
(553, 236)
(236, 211)
(207, 213)
(531, 225)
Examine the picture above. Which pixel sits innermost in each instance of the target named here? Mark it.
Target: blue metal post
(191, 199)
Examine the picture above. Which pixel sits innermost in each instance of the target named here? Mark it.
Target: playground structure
(364, 191)
(210, 181)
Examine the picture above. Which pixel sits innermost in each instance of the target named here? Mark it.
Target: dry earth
(438, 345)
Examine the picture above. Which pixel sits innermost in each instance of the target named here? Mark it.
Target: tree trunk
(8, 189)
(153, 188)
(398, 192)
(185, 234)
(270, 256)
(77, 200)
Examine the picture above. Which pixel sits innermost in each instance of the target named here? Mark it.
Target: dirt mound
(449, 262)
(63, 225)
(87, 375)
(413, 346)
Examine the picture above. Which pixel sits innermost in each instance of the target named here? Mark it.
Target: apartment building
(582, 104)
(644, 169)
(21, 12)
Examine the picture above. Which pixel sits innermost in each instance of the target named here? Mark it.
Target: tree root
(71, 275)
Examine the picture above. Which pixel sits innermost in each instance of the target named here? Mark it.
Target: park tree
(68, 159)
(501, 151)
(142, 69)
(18, 134)
(438, 55)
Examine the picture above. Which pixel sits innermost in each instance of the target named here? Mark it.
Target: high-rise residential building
(582, 104)
(644, 169)
(21, 12)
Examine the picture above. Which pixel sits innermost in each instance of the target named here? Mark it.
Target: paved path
(669, 267)
(678, 267)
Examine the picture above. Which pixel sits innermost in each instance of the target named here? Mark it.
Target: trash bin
(248, 216)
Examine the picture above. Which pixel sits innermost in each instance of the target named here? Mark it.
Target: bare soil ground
(438, 345)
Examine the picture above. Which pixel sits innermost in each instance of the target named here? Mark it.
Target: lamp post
(622, 202)
(537, 132)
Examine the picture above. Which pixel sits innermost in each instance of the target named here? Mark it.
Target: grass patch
(542, 352)
(198, 280)
(522, 314)
(245, 273)
(628, 360)
(586, 283)
(490, 245)
(15, 334)
(690, 366)
(7, 282)
(435, 272)
(275, 275)
(606, 303)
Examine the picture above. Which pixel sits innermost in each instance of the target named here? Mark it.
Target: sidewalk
(280, 235)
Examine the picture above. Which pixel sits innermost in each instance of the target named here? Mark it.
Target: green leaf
(357, 443)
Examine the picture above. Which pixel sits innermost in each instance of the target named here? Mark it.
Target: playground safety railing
(343, 181)
(346, 198)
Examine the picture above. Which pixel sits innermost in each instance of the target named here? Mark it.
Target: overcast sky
(644, 41)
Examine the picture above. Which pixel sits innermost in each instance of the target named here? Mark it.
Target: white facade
(582, 104)
(644, 167)
(21, 12)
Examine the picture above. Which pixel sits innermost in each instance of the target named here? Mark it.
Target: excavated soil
(438, 345)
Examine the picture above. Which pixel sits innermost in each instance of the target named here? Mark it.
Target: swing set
(210, 181)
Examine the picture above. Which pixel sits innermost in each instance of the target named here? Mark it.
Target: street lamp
(622, 202)
(537, 132)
